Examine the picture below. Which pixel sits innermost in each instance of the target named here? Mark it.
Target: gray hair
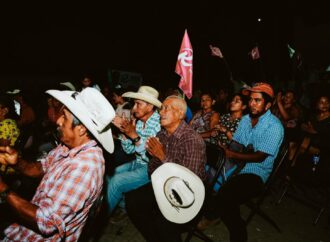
(76, 122)
(180, 103)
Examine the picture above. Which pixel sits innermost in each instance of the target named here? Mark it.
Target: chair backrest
(278, 162)
(215, 158)
(93, 214)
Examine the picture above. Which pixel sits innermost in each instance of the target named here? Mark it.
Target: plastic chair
(94, 220)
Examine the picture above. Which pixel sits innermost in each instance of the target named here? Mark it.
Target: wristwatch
(4, 195)
(135, 140)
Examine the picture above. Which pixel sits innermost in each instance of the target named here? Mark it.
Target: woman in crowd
(228, 123)
(316, 131)
(87, 81)
(289, 112)
(205, 119)
(122, 107)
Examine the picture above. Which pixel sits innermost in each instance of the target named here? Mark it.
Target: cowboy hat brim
(76, 107)
(171, 213)
(68, 85)
(144, 97)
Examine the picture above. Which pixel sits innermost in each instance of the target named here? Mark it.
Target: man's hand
(155, 148)
(8, 156)
(117, 121)
(127, 127)
(279, 98)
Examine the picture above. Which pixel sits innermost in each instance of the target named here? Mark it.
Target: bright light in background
(259, 19)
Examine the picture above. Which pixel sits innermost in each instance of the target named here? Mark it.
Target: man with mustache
(134, 133)
(262, 133)
(177, 142)
(71, 174)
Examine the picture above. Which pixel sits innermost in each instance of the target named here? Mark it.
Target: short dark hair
(118, 91)
(7, 102)
(209, 93)
(267, 98)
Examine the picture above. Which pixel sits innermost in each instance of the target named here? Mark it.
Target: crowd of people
(70, 147)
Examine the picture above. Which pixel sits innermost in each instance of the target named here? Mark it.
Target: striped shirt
(72, 182)
(266, 136)
(184, 147)
(144, 130)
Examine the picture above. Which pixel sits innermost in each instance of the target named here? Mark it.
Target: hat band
(176, 196)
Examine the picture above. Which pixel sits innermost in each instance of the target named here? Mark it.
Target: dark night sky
(53, 41)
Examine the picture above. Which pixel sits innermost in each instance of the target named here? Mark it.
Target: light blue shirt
(144, 130)
(266, 136)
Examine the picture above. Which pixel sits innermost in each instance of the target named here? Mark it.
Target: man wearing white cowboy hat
(135, 132)
(177, 143)
(71, 175)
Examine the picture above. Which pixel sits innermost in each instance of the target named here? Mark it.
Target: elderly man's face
(67, 133)
(169, 114)
(141, 109)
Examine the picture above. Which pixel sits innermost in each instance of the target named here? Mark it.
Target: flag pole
(258, 65)
(228, 69)
(215, 51)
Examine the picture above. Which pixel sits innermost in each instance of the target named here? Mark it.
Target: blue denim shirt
(266, 136)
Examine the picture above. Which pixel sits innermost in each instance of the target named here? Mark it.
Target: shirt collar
(178, 132)
(74, 151)
(263, 117)
(152, 117)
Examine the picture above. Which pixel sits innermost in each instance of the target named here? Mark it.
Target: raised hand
(117, 121)
(8, 156)
(128, 127)
(279, 97)
(155, 148)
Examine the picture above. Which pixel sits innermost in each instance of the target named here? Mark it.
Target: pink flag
(184, 66)
(255, 53)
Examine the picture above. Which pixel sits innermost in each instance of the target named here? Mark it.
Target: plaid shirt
(144, 130)
(72, 182)
(184, 147)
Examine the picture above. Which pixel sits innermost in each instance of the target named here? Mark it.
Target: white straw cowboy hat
(147, 94)
(92, 109)
(68, 85)
(179, 192)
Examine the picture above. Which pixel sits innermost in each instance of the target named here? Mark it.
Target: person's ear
(180, 114)
(151, 107)
(82, 130)
(213, 102)
(268, 105)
